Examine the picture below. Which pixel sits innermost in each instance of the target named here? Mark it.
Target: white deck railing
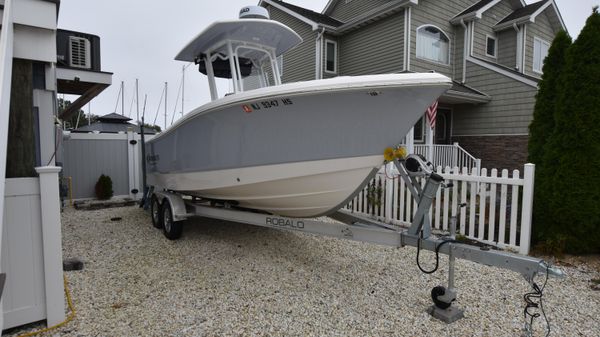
(448, 155)
(498, 210)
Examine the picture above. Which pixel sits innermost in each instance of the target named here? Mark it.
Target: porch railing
(448, 156)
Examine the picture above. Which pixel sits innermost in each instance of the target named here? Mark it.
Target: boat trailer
(170, 209)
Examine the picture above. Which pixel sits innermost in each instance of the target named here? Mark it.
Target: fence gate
(88, 155)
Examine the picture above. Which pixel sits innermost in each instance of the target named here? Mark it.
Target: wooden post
(52, 242)
(527, 208)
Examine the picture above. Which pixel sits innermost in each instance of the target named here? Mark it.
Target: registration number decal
(274, 103)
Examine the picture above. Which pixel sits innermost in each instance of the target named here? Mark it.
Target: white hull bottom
(302, 189)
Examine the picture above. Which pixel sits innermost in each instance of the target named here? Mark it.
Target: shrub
(573, 151)
(540, 130)
(104, 190)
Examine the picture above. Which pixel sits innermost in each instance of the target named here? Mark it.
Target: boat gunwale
(350, 83)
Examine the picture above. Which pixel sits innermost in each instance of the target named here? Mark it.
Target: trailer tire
(171, 229)
(155, 212)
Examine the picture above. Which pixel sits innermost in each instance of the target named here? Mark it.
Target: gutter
(374, 13)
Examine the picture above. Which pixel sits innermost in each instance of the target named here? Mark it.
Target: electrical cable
(437, 253)
(386, 173)
(530, 304)
(67, 320)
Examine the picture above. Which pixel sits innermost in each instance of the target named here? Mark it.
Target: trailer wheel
(171, 229)
(155, 212)
(435, 293)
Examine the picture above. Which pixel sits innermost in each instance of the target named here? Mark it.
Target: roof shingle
(477, 6)
(313, 16)
(524, 11)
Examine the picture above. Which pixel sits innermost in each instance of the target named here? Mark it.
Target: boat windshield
(249, 66)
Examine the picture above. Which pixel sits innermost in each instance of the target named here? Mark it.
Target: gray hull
(286, 127)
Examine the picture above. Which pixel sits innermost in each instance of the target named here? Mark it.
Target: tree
(572, 154)
(542, 126)
(153, 127)
(71, 123)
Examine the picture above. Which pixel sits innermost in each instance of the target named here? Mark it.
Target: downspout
(519, 60)
(524, 49)
(319, 55)
(465, 46)
(409, 25)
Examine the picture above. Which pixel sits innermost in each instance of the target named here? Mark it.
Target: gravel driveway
(228, 279)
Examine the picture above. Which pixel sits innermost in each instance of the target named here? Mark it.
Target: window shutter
(79, 52)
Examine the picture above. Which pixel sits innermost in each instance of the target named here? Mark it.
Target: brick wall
(500, 152)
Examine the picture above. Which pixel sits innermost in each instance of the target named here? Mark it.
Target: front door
(443, 122)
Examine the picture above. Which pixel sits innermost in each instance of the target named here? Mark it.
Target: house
(492, 49)
(31, 76)
(113, 123)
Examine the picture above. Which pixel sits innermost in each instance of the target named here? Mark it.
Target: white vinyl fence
(498, 210)
(88, 155)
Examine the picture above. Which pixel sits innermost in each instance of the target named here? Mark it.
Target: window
(490, 48)
(433, 44)
(330, 56)
(419, 129)
(540, 51)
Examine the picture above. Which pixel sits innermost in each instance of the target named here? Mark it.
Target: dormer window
(433, 44)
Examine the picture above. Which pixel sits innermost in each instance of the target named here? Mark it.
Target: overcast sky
(140, 38)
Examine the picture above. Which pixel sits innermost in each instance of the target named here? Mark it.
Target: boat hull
(329, 135)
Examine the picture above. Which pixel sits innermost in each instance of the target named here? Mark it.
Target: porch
(437, 144)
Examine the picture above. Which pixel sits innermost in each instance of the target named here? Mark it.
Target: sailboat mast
(182, 88)
(137, 100)
(122, 98)
(166, 87)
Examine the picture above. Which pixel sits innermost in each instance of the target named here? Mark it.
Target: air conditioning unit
(79, 52)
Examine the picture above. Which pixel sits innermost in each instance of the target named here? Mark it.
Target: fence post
(389, 193)
(478, 166)
(455, 155)
(526, 208)
(131, 167)
(52, 244)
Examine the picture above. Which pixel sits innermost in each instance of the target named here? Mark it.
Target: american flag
(431, 113)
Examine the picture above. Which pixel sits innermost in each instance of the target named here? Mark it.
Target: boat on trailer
(304, 149)
(300, 149)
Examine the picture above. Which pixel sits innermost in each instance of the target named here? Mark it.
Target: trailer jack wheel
(155, 212)
(436, 292)
(171, 229)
